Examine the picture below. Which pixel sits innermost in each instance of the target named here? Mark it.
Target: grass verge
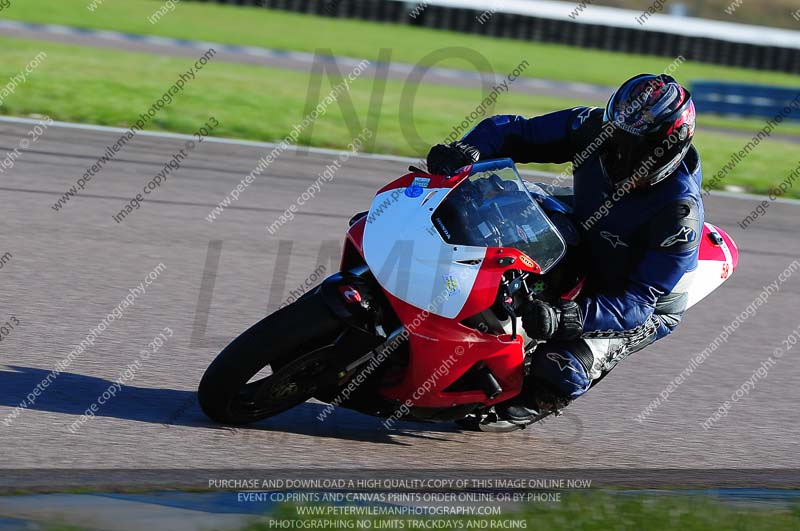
(292, 31)
(111, 87)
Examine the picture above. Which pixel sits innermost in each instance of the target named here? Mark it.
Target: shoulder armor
(676, 227)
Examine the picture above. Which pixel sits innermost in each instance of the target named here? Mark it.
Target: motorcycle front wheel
(295, 342)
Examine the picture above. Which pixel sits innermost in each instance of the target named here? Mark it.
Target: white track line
(323, 151)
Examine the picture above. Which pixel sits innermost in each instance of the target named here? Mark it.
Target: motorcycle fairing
(427, 264)
(433, 338)
(445, 284)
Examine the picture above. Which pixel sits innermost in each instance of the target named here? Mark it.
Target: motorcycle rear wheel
(295, 342)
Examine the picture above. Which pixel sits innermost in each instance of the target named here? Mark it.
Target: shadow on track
(71, 394)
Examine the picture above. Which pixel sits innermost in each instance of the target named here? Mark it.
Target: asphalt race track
(71, 268)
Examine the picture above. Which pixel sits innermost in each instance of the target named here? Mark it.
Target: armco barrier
(620, 38)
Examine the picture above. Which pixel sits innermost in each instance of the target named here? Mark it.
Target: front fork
(353, 297)
(371, 333)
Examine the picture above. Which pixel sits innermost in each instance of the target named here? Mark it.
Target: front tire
(295, 342)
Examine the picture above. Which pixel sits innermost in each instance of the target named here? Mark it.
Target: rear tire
(293, 341)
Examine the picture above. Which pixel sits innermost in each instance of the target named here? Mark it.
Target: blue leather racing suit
(640, 243)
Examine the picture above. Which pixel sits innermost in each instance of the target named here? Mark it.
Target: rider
(638, 207)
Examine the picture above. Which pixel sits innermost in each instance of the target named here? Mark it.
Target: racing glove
(445, 159)
(560, 321)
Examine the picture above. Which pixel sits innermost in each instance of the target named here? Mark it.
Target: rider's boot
(515, 411)
(535, 401)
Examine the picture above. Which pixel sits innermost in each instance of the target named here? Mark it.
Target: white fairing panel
(708, 275)
(409, 258)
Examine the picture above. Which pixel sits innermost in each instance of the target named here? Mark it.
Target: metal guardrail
(742, 99)
(552, 30)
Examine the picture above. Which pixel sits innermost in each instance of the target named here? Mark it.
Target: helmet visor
(641, 160)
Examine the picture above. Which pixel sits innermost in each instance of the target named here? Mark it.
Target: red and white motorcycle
(421, 321)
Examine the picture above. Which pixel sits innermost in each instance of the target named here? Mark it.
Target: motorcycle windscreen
(493, 208)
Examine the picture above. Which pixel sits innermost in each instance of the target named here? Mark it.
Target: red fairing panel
(442, 350)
